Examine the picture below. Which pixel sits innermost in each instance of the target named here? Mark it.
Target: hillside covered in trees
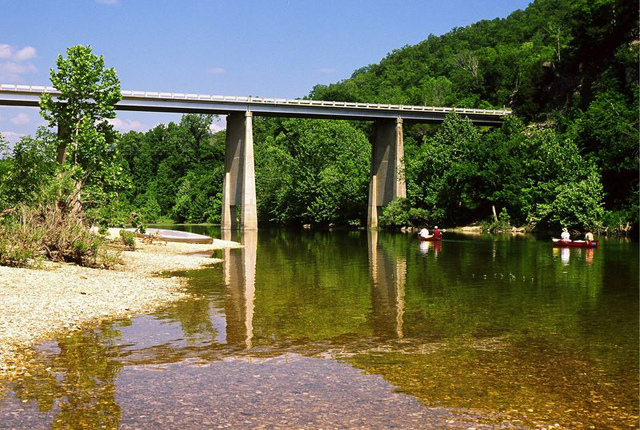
(568, 155)
(569, 72)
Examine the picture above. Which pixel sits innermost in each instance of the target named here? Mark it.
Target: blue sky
(270, 48)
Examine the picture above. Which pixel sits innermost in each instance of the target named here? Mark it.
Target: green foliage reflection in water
(505, 326)
(79, 381)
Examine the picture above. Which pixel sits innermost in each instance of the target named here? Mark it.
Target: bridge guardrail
(264, 100)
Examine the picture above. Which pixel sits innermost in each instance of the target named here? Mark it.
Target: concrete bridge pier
(239, 184)
(387, 167)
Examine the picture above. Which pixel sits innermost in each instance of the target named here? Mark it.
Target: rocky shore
(38, 304)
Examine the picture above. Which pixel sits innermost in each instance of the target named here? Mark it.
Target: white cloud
(12, 72)
(5, 51)
(21, 119)
(327, 70)
(126, 124)
(26, 53)
(16, 63)
(11, 136)
(215, 127)
(109, 2)
(217, 71)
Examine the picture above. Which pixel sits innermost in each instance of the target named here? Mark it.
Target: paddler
(436, 232)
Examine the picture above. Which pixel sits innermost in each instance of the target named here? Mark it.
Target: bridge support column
(239, 185)
(387, 167)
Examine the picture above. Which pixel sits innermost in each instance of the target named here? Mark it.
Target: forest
(568, 156)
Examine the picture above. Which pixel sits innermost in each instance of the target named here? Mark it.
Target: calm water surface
(361, 329)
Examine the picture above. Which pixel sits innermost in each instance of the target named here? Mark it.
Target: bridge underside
(239, 189)
(11, 95)
(239, 209)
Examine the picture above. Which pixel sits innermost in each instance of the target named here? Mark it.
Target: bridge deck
(141, 101)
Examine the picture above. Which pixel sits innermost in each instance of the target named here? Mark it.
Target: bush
(620, 221)
(17, 246)
(396, 214)
(503, 223)
(46, 231)
(577, 204)
(419, 216)
(111, 214)
(128, 239)
(54, 228)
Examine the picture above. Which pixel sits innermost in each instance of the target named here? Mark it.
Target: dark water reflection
(329, 329)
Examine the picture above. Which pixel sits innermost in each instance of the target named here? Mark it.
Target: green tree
(26, 168)
(88, 93)
(311, 171)
(87, 97)
(442, 175)
(577, 204)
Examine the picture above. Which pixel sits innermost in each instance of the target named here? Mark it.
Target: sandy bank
(38, 304)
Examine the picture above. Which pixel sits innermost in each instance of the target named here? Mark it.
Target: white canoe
(173, 235)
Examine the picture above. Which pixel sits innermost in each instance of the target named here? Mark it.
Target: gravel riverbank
(38, 304)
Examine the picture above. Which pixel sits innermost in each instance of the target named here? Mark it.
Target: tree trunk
(63, 138)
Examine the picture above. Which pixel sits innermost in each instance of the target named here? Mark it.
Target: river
(357, 329)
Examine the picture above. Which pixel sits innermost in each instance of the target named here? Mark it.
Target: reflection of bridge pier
(388, 278)
(239, 271)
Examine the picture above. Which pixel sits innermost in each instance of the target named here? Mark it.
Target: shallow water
(361, 330)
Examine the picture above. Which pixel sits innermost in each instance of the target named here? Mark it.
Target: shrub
(620, 221)
(419, 216)
(503, 223)
(577, 204)
(395, 214)
(44, 230)
(128, 239)
(17, 246)
(54, 228)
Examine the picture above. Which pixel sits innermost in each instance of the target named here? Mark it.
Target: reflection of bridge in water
(239, 272)
(249, 323)
(384, 315)
(387, 278)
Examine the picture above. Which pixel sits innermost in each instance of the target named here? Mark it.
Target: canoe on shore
(431, 238)
(172, 236)
(575, 243)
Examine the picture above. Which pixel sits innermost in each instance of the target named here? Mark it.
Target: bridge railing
(129, 94)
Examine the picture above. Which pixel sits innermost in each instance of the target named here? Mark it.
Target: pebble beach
(39, 304)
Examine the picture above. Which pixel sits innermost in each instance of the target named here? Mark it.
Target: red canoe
(431, 238)
(576, 243)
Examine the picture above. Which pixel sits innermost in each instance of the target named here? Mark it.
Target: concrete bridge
(239, 191)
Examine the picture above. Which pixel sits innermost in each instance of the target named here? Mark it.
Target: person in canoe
(589, 236)
(565, 234)
(436, 232)
(424, 233)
